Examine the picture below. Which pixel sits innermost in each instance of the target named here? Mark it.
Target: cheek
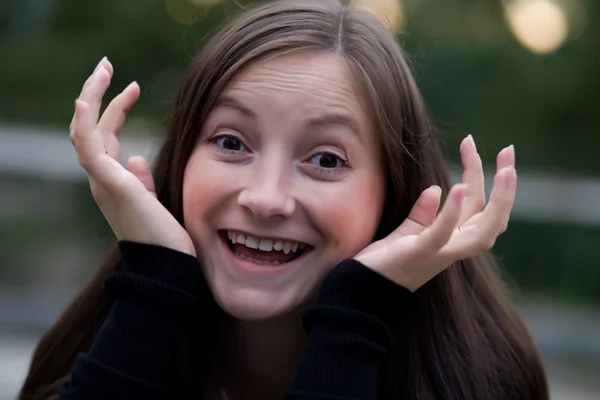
(202, 194)
(348, 215)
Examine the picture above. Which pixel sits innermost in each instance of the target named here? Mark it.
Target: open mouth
(263, 250)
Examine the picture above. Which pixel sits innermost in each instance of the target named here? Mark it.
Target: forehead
(303, 80)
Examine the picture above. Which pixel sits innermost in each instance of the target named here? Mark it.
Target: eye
(327, 161)
(229, 143)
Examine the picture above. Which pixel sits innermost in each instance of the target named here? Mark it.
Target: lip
(258, 270)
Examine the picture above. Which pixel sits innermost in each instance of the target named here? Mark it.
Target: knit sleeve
(349, 334)
(134, 352)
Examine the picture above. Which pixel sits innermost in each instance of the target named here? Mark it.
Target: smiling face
(288, 164)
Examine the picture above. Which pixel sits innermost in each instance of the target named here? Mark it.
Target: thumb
(139, 167)
(423, 212)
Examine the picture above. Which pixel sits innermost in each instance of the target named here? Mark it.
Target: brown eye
(326, 160)
(230, 143)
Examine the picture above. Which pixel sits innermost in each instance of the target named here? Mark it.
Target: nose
(267, 194)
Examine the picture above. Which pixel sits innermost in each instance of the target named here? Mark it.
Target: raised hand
(126, 196)
(425, 243)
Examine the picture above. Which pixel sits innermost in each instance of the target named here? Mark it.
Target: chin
(255, 305)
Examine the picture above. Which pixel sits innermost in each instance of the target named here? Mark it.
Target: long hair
(465, 340)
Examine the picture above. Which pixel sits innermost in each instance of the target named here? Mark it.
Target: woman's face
(285, 182)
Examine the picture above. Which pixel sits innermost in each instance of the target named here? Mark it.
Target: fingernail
(130, 85)
(99, 64)
(99, 70)
(472, 142)
(437, 188)
(511, 151)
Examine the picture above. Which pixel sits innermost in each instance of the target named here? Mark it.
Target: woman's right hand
(126, 196)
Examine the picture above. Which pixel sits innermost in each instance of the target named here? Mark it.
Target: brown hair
(466, 341)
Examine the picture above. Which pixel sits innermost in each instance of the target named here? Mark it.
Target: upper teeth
(254, 242)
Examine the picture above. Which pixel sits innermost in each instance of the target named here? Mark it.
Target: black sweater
(156, 298)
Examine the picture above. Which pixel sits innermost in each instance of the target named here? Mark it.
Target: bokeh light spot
(539, 25)
(390, 12)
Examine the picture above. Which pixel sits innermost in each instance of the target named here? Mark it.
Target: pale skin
(424, 245)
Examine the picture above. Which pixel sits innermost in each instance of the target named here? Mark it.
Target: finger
(87, 144)
(95, 91)
(495, 217)
(497, 212)
(423, 212)
(439, 232)
(112, 121)
(114, 116)
(473, 178)
(106, 64)
(139, 167)
(506, 158)
(490, 223)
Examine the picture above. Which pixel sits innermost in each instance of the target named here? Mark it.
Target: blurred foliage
(478, 79)
(475, 76)
(553, 260)
(43, 69)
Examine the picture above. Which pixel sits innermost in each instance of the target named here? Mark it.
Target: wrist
(351, 284)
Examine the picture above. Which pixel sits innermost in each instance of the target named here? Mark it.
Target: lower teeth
(243, 257)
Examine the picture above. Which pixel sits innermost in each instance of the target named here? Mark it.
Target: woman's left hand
(426, 244)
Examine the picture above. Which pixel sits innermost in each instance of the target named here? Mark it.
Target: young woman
(288, 243)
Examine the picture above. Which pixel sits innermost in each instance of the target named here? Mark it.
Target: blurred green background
(525, 72)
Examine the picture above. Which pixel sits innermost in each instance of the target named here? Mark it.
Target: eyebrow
(228, 101)
(334, 119)
(315, 122)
